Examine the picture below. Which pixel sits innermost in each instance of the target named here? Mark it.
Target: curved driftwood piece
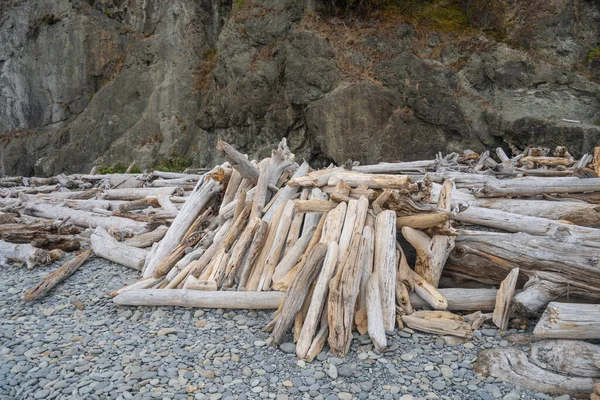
(313, 314)
(488, 257)
(536, 295)
(571, 357)
(197, 200)
(107, 247)
(375, 325)
(504, 298)
(511, 365)
(385, 265)
(439, 322)
(147, 239)
(23, 253)
(569, 321)
(84, 219)
(200, 299)
(297, 292)
(56, 277)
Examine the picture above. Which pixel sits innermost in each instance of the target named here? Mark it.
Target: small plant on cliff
(174, 163)
(238, 5)
(117, 168)
(593, 54)
(201, 75)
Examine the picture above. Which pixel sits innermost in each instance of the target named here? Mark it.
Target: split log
(376, 327)
(23, 253)
(147, 239)
(374, 181)
(488, 257)
(84, 218)
(432, 296)
(385, 265)
(536, 295)
(200, 299)
(297, 292)
(317, 301)
(320, 338)
(186, 216)
(140, 193)
(511, 365)
(569, 321)
(504, 298)
(56, 277)
(255, 247)
(239, 162)
(107, 247)
(404, 283)
(366, 269)
(165, 265)
(395, 168)
(439, 323)
(433, 252)
(232, 187)
(261, 190)
(571, 357)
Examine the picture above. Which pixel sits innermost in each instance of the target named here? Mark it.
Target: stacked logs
(331, 249)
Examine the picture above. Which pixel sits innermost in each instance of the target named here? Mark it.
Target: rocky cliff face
(102, 82)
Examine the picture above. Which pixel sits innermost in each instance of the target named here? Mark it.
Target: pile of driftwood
(331, 249)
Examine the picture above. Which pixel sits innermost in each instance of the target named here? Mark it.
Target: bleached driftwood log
(56, 277)
(504, 298)
(239, 162)
(105, 246)
(374, 181)
(197, 200)
(385, 265)
(287, 192)
(23, 253)
(147, 239)
(140, 193)
(375, 324)
(461, 299)
(511, 365)
(394, 168)
(85, 219)
(253, 252)
(569, 321)
(425, 290)
(536, 295)
(367, 246)
(292, 257)
(531, 187)
(439, 322)
(572, 357)
(200, 299)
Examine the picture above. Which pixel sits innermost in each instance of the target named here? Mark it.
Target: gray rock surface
(102, 82)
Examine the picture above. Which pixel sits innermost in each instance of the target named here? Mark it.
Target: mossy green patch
(593, 54)
(174, 163)
(117, 168)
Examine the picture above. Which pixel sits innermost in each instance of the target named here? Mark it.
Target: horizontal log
(374, 181)
(200, 299)
(391, 168)
(140, 193)
(569, 321)
(540, 186)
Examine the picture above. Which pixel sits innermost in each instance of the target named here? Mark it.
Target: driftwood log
(569, 321)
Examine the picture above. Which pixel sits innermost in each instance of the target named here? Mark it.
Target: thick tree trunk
(23, 253)
(107, 247)
(571, 357)
(569, 321)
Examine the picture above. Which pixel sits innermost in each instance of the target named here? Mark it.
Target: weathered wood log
(438, 322)
(286, 193)
(504, 298)
(232, 187)
(355, 193)
(348, 227)
(571, 357)
(317, 301)
(461, 299)
(394, 168)
(530, 187)
(23, 253)
(375, 323)
(147, 239)
(433, 252)
(374, 181)
(367, 246)
(297, 292)
(511, 365)
(404, 283)
(140, 193)
(536, 295)
(296, 227)
(548, 161)
(238, 251)
(569, 321)
(315, 205)
(312, 219)
(261, 190)
(320, 338)
(56, 277)
(239, 162)
(143, 283)
(315, 178)
(187, 215)
(165, 265)
(200, 299)
(423, 221)
(255, 247)
(488, 257)
(107, 247)
(84, 218)
(51, 242)
(385, 265)
(192, 283)
(432, 296)
(26, 233)
(293, 256)
(332, 228)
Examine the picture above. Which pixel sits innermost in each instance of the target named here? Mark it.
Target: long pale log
(348, 228)
(140, 193)
(296, 226)
(320, 338)
(262, 191)
(355, 193)
(312, 219)
(489, 256)
(23, 253)
(428, 292)
(315, 205)
(423, 221)
(143, 283)
(548, 161)
(536, 295)
(277, 247)
(504, 298)
(394, 168)
(147, 239)
(56, 277)
(376, 327)
(334, 223)
(569, 321)
(232, 187)
(287, 192)
(315, 178)
(255, 247)
(297, 292)
(107, 247)
(514, 188)
(385, 265)
(315, 308)
(200, 299)
(511, 365)
(366, 264)
(239, 250)
(571, 357)
(439, 323)
(405, 283)
(461, 299)
(293, 255)
(375, 181)
(239, 162)
(186, 216)
(85, 218)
